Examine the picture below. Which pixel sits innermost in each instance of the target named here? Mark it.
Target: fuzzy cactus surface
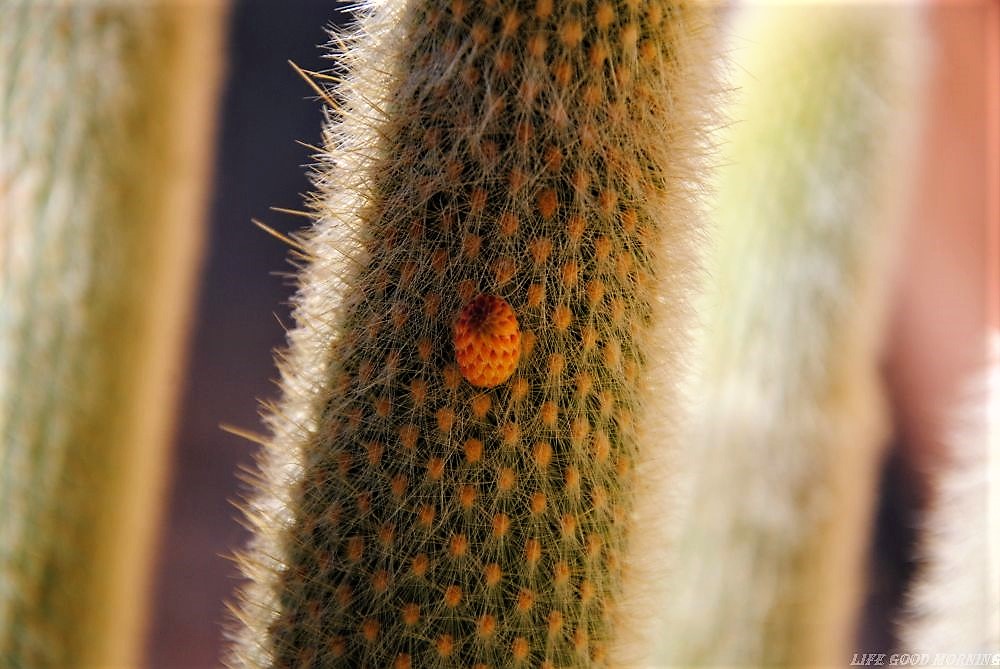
(788, 423)
(953, 604)
(502, 250)
(105, 116)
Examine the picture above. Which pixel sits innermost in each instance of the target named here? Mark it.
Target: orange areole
(487, 341)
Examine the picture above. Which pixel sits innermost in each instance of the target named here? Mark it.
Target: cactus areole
(510, 174)
(487, 341)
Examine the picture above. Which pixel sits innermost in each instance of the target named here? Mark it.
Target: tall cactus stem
(499, 178)
(105, 120)
(786, 435)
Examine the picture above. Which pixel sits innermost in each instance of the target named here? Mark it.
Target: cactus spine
(535, 151)
(786, 439)
(102, 171)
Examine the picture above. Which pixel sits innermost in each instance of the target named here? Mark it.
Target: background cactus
(543, 153)
(787, 428)
(954, 603)
(104, 120)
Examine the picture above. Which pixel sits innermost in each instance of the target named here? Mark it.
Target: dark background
(266, 106)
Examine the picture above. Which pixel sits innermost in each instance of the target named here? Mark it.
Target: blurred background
(941, 307)
(265, 108)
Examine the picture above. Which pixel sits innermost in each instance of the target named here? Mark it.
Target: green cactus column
(786, 437)
(105, 129)
(426, 500)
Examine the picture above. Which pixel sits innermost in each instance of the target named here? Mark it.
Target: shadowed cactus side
(105, 113)
(787, 429)
(412, 511)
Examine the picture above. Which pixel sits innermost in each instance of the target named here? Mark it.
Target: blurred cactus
(499, 179)
(954, 603)
(787, 431)
(105, 116)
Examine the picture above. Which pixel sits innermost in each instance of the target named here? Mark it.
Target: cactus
(954, 603)
(786, 436)
(505, 193)
(104, 120)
